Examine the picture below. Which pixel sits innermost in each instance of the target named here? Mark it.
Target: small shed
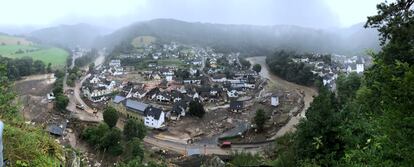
(274, 101)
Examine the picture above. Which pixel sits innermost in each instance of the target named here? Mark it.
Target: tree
(111, 141)
(244, 63)
(61, 101)
(134, 128)
(91, 67)
(257, 68)
(38, 66)
(347, 86)
(49, 68)
(318, 136)
(196, 109)
(260, 119)
(93, 135)
(110, 116)
(136, 149)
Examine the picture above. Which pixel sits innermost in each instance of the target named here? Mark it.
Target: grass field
(171, 62)
(53, 55)
(143, 40)
(10, 40)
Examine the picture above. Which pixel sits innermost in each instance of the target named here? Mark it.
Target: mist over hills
(83, 35)
(250, 40)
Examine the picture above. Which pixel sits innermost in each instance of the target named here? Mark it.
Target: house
(136, 106)
(193, 71)
(232, 93)
(154, 117)
(115, 63)
(169, 78)
(274, 101)
(179, 109)
(360, 65)
(176, 96)
(197, 62)
(192, 81)
(236, 106)
(151, 65)
(219, 78)
(139, 93)
(166, 72)
(245, 73)
(151, 94)
(163, 97)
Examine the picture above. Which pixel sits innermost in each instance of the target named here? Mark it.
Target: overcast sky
(310, 13)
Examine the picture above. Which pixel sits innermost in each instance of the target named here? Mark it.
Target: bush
(62, 102)
(196, 109)
(110, 116)
(257, 68)
(134, 128)
(260, 119)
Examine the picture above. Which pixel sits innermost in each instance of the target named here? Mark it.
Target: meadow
(17, 47)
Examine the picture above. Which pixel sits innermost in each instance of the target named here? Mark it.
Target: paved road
(308, 92)
(75, 98)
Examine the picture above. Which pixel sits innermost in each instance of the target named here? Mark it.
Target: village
(160, 93)
(328, 67)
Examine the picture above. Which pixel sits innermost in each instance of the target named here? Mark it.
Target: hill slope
(250, 40)
(67, 35)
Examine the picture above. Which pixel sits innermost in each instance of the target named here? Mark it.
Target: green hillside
(10, 48)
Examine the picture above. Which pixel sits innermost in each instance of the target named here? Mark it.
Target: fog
(117, 13)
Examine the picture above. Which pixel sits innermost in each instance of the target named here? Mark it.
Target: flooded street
(286, 85)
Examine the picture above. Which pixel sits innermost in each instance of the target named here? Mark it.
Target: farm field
(16, 47)
(11, 40)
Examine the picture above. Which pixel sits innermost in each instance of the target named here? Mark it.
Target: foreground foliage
(374, 123)
(24, 144)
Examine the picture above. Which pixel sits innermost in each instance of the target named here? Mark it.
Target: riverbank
(308, 92)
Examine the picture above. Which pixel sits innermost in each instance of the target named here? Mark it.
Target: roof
(176, 94)
(193, 151)
(154, 112)
(219, 76)
(179, 106)
(165, 94)
(57, 129)
(203, 89)
(136, 106)
(118, 99)
(226, 143)
(236, 105)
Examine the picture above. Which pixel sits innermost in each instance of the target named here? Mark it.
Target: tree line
(281, 64)
(19, 67)
(87, 58)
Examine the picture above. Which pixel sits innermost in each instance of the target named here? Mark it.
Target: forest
(281, 64)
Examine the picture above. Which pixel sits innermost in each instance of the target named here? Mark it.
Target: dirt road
(281, 83)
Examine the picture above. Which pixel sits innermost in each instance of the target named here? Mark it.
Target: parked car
(225, 144)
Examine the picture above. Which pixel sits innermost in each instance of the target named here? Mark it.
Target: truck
(80, 106)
